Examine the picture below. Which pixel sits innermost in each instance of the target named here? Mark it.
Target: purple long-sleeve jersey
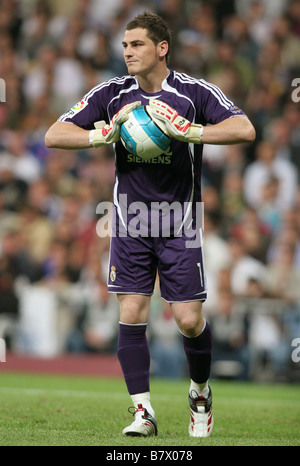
(175, 176)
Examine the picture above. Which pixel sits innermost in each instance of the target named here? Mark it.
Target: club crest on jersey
(113, 274)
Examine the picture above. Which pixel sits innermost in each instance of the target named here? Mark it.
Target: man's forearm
(233, 130)
(67, 136)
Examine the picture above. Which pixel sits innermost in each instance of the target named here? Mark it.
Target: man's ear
(163, 48)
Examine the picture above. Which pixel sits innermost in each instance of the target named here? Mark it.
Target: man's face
(141, 55)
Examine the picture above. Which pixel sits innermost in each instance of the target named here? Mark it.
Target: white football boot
(201, 420)
(144, 425)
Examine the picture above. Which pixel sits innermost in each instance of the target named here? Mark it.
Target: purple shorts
(134, 263)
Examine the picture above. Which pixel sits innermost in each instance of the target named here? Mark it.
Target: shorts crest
(113, 274)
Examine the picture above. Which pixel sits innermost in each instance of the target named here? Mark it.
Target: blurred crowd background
(53, 265)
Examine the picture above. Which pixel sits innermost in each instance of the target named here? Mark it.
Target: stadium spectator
(266, 166)
(268, 211)
(97, 316)
(217, 255)
(230, 327)
(253, 233)
(268, 348)
(243, 267)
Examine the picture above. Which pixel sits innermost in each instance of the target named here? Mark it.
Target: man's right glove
(110, 133)
(177, 126)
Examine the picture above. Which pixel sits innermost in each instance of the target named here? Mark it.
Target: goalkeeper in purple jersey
(195, 113)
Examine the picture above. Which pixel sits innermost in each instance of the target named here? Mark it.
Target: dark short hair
(157, 29)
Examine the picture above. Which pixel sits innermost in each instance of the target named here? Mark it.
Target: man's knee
(189, 318)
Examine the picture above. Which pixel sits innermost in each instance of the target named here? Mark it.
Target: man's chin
(132, 68)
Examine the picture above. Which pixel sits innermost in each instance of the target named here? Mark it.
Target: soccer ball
(143, 135)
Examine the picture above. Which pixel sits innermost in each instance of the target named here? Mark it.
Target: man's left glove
(177, 126)
(110, 133)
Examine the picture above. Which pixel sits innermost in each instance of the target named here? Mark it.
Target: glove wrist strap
(201, 133)
(195, 134)
(91, 136)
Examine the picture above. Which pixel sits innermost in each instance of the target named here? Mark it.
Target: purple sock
(198, 354)
(134, 357)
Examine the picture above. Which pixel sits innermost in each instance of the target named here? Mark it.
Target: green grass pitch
(47, 410)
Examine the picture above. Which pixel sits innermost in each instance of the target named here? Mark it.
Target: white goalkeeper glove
(110, 133)
(177, 126)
